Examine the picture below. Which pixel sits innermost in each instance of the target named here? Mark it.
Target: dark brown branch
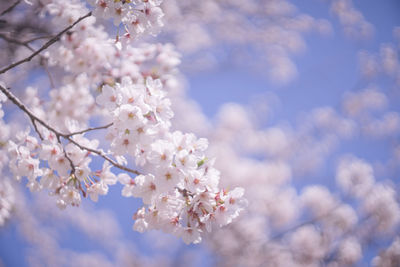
(9, 9)
(68, 137)
(46, 45)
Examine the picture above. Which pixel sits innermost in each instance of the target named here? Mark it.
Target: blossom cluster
(86, 48)
(62, 171)
(92, 58)
(180, 185)
(137, 16)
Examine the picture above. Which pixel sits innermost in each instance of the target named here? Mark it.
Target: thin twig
(46, 69)
(38, 38)
(90, 129)
(103, 155)
(71, 163)
(311, 221)
(24, 43)
(36, 129)
(10, 8)
(43, 59)
(58, 134)
(15, 41)
(46, 45)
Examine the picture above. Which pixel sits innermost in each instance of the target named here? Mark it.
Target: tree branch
(26, 44)
(15, 41)
(68, 137)
(10, 8)
(46, 45)
(90, 129)
(23, 43)
(311, 221)
(38, 38)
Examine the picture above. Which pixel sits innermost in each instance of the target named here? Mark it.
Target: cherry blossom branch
(9, 9)
(68, 137)
(46, 45)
